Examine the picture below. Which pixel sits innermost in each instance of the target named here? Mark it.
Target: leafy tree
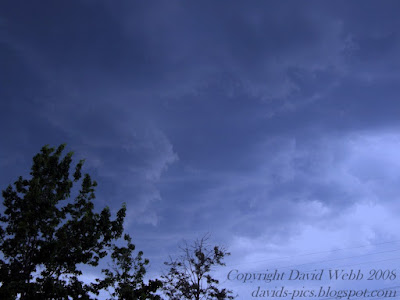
(126, 276)
(189, 276)
(45, 235)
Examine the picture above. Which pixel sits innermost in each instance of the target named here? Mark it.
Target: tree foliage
(45, 235)
(126, 277)
(190, 275)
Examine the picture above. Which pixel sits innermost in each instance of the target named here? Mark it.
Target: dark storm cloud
(258, 122)
(213, 59)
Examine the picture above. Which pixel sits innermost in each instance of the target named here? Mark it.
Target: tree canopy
(127, 274)
(189, 276)
(45, 235)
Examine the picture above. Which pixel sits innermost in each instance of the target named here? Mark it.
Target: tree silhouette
(127, 274)
(189, 276)
(45, 236)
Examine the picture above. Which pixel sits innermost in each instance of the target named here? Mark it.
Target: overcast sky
(272, 125)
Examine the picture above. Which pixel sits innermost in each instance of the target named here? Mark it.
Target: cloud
(135, 167)
(279, 217)
(257, 46)
(319, 184)
(267, 125)
(286, 59)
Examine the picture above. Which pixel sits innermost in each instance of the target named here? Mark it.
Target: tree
(189, 276)
(44, 235)
(126, 276)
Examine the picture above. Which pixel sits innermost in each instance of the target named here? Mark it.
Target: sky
(271, 125)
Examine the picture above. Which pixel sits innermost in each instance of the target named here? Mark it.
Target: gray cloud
(267, 124)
